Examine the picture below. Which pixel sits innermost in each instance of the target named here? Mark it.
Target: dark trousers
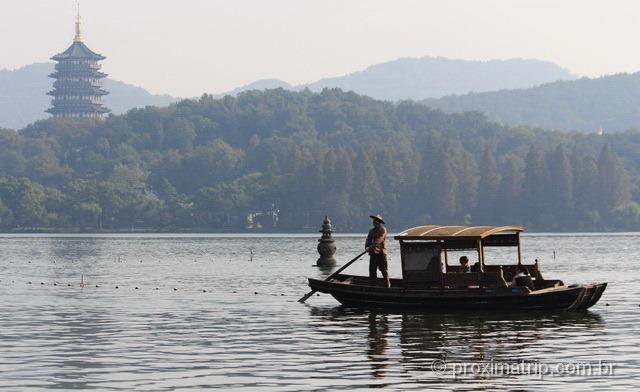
(377, 262)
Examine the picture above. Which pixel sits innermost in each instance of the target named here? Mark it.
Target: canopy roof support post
(519, 251)
(442, 247)
(480, 256)
(480, 264)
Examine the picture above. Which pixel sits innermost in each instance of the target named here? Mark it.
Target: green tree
(535, 189)
(444, 187)
(179, 134)
(489, 188)
(30, 209)
(367, 190)
(509, 195)
(561, 186)
(613, 182)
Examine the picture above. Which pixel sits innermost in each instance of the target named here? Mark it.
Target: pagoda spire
(78, 37)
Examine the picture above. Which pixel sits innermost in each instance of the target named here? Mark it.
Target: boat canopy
(421, 249)
(436, 232)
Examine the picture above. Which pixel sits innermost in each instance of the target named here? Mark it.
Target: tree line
(279, 161)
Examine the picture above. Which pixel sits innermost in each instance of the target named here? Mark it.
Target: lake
(166, 312)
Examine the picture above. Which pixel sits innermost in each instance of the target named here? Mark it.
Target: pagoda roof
(94, 74)
(78, 50)
(88, 108)
(78, 91)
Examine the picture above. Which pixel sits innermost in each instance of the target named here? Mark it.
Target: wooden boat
(430, 283)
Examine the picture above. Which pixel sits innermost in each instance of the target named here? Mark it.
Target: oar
(310, 293)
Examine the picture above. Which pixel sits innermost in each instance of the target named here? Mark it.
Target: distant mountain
(432, 77)
(23, 98)
(262, 84)
(610, 102)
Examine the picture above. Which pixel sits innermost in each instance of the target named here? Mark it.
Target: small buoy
(282, 295)
(41, 283)
(255, 292)
(174, 289)
(136, 287)
(317, 295)
(156, 288)
(29, 282)
(235, 292)
(607, 304)
(97, 286)
(55, 284)
(116, 287)
(204, 291)
(68, 284)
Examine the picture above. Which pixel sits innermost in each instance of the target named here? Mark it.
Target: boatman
(376, 246)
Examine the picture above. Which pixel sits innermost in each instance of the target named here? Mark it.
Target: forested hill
(280, 160)
(586, 105)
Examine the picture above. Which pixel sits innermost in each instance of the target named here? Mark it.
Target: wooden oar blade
(306, 296)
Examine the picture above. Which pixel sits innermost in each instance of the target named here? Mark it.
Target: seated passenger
(522, 278)
(464, 264)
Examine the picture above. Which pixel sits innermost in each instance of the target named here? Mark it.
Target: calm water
(204, 315)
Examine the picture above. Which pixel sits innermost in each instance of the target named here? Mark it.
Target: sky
(190, 47)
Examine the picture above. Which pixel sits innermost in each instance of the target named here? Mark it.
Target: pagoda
(77, 90)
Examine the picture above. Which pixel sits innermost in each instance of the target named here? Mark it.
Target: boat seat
(492, 268)
(461, 279)
(493, 279)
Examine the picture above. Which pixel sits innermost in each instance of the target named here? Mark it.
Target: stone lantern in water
(327, 245)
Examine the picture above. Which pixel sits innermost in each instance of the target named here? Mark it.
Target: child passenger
(464, 264)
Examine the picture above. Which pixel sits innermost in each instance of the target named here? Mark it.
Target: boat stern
(589, 294)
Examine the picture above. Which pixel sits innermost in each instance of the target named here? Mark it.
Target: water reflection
(378, 344)
(468, 337)
(421, 339)
(326, 270)
(76, 249)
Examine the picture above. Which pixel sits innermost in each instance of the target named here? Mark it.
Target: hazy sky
(189, 47)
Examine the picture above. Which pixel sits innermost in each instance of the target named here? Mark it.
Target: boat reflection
(417, 340)
(378, 343)
(449, 339)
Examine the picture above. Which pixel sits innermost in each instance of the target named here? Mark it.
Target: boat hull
(571, 298)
